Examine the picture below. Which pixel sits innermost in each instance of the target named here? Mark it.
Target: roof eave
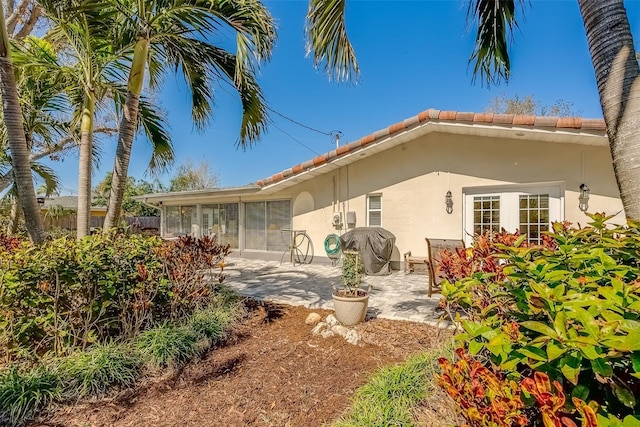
(364, 147)
(155, 199)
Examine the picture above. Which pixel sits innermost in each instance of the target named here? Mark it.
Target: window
(221, 220)
(529, 209)
(180, 220)
(486, 214)
(534, 216)
(263, 222)
(374, 210)
(205, 224)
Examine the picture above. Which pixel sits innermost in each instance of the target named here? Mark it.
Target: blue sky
(413, 56)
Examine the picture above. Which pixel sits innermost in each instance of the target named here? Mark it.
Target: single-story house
(440, 174)
(61, 211)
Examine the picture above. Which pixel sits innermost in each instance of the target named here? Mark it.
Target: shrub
(23, 395)
(96, 371)
(67, 294)
(9, 243)
(189, 264)
(168, 346)
(485, 397)
(569, 309)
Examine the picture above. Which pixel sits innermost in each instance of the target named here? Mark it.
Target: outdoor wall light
(448, 201)
(583, 199)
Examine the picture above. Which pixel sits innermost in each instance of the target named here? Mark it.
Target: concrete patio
(398, 296)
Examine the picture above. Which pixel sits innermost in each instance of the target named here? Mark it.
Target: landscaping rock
(331, 327)
(340, 330)
(326, 334)
(318, 328)
(331, 320)
(352, 337)
(313, 319)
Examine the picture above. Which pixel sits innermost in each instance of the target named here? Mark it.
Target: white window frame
(369, 210)
(510, 203)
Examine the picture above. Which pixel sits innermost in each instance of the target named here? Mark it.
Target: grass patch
(94, 372)
(393, 394)
(213, 323)
(168, 346)
(102, 367)
(23, 395)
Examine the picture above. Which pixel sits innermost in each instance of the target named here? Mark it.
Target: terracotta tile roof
(437, 116)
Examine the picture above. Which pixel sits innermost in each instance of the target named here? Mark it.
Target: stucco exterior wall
(414, 177)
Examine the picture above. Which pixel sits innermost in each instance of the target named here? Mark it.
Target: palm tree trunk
(14, 216)
(17, 141)
(85, 167)
(128, 124)
(618, 78)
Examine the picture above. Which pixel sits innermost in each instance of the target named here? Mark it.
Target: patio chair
(435, 247)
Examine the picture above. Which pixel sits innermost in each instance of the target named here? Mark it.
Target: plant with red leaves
(484, 397)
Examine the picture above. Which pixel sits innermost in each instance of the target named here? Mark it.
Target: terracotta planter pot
(351, 310)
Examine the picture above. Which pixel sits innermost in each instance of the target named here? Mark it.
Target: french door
(530, 209)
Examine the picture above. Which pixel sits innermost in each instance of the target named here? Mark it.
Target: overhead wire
(334, 134)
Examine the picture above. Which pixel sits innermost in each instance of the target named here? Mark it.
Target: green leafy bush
(22, 395)
(569, 309)
(67, 294)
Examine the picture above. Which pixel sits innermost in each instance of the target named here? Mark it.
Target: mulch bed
(271, 372)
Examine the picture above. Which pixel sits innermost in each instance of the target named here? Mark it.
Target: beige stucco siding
(414, 177)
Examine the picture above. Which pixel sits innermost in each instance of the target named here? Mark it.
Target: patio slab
(398, 296)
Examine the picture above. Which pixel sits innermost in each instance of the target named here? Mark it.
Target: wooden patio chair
(435, 247)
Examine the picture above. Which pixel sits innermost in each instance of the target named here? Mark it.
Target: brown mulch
(271, 372)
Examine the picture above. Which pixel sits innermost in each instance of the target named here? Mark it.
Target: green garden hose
(332, 245)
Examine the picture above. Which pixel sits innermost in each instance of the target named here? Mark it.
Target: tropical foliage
(171, 36)
(63, 295)
(566, 313)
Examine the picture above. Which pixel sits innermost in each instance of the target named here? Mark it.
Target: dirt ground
(271, 372)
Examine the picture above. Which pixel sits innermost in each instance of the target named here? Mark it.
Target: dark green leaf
(601, 367)
(624, 395)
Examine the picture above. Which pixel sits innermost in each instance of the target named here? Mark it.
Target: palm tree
(612, 54)
(12, 114)
(172, 35)
(91, 73)
(50, 185)
(618, 79)
(92, 59)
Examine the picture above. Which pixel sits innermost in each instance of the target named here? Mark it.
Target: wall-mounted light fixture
(448, 201)
(583, 199)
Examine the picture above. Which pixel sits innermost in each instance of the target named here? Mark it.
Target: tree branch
(17, 15)
(64, 144)
(31, 22)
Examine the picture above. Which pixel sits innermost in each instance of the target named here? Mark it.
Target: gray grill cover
(375, 245)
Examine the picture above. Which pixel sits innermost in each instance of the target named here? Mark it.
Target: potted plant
(351, 302)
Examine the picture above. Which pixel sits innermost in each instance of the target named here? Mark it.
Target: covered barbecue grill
(375, 245)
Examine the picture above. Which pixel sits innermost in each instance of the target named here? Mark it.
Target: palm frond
(254, 110)
(255, 30)
(193, 58)
(48, 176)
(496, 21)
(154, 123)
(327, 39)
